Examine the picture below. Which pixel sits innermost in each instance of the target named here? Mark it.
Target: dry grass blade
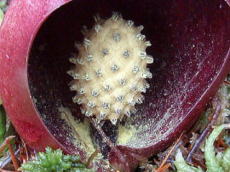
(163, 166)
(13, 157)
(5, 143)
(217, 109)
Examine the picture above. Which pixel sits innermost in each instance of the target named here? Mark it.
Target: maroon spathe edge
(19, 28)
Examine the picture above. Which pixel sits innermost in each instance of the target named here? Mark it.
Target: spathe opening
(186, 38)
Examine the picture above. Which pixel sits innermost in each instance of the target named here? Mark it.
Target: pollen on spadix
(110, 69)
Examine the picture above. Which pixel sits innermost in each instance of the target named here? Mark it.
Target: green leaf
(3, 3)
(2, 124)
(2, 9)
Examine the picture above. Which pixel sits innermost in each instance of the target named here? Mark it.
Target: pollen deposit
(110, 69)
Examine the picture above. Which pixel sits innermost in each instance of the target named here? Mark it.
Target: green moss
(54, 161)
(214, 163)
(182, 166)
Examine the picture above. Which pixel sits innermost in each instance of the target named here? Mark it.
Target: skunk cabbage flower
(190, 44)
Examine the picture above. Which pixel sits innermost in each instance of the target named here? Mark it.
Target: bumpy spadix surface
(111, 69)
